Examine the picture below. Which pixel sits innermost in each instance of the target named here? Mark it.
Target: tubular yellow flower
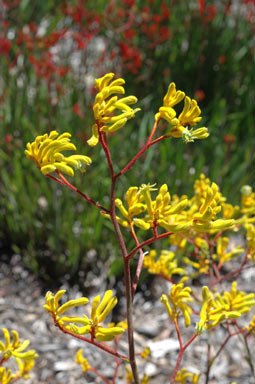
(250, 238)
(105, 107)
(183, 377)
(191, 112)
(121, 324)
(165, 265)
(162, 209)
(82, 361)
(228, 211)
(178, 241)
(179, 298)
(134, 207)
(145, 379)
(210, 206)
(99, 312)
(46, 153)
(222, 255)
(24, 368)
(15, 347)
(202, 263)
(171, 98)
(248, 200)
(189, 116)
(227, 305)
(129, 375)
(6, 376)
(145, 353)
(251, 327)
(189, 136)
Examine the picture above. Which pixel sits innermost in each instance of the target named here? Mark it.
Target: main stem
(128, 287)
(127, 277)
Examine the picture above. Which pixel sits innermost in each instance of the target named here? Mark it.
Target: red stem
(179, 359)
(139, 265)
(147, 242)
(117, 361)
(127, 277)
(4, 360)
(100, 375)
(237, 271)
(178, 332)
(141, 152)
(210, 363)
(65, 182)
(103, 142)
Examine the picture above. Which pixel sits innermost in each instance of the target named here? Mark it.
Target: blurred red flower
(5, 45)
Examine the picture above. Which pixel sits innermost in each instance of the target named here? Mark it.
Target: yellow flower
(189, 116)
(24, 367)
(191, 112)
(15, 347)
(6, 376)
(189, 136)
(134, 207)
(222, 255)
(162, 209)
(121, 324)
(227, 305)
(145, 379)
(178, 241)
(179, 298)
(105, 107)
(248, 200)
(210, 206)
(228, 211)
(46, 153)
(129, 375)
(183, 375)
(251, 327)
(201, 265)
(145, 353)
(171, 98)
(250, 238)
(165, 265)
(99, 311)
(79, 359)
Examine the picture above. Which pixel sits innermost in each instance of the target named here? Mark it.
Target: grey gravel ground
(21, 308)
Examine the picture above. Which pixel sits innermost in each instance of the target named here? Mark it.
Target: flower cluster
(166, 264)
(183, 376)
(15, 348)
(248, 200)
(156, 211)
(145, 353)
(177, 214)
(82, 361)
(251, 327)
(135, 206)
(100, 310)
(220, 307)
(46, 153)
(189, 116)
(250, 237)
(179, 299)
(204, 220)
(105, 107)
(222, 255)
